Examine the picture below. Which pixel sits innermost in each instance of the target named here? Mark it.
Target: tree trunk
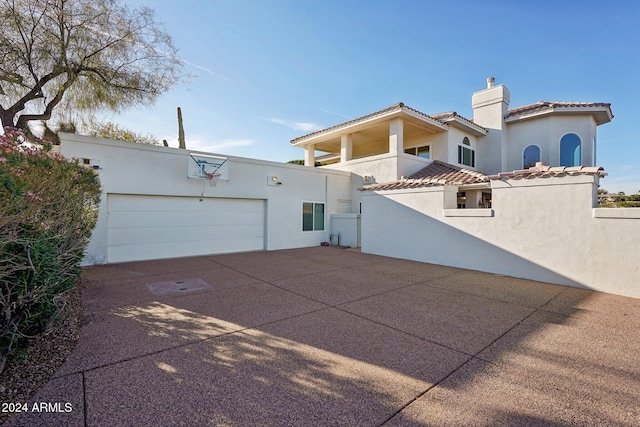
(7, 119)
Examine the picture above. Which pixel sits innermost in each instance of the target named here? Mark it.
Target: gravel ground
(23, 376)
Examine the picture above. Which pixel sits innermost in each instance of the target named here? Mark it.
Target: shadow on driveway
(325, 336)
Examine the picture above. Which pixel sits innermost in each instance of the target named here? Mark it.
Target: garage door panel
(151, 227)
(131, 219)
(128, 236)
(126, 202)
(158, 251)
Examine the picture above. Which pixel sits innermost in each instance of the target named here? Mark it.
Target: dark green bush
(48, 207)
(629, 204)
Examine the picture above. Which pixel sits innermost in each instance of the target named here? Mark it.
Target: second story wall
(462, 149)
(545, 135)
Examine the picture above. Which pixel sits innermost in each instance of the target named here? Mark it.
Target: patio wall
(544, 229)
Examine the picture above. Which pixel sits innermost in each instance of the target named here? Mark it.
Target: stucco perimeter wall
(379, 168)
(139, 169)
(543, 229)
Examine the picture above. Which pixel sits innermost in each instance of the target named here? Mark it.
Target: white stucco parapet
(541, 170)
(617, 213)
(548, 180)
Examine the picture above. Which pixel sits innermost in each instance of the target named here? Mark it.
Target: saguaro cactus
(181, 141)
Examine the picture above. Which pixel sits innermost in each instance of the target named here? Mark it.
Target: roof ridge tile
(436, 173)
(541, 170)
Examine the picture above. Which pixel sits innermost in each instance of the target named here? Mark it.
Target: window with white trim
(530, 156)
(423, 151)
(312, 216)
(466, 155)
(570, 150)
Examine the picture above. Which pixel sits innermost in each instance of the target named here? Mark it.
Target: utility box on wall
(344, 229)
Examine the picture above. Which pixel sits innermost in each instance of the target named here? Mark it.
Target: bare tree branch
(86, 54)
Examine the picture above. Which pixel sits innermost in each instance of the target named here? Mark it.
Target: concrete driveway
(326, 336)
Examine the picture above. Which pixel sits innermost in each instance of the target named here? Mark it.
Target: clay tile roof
(444, 117)
(437, 173)
(540, 170)
(550, 105)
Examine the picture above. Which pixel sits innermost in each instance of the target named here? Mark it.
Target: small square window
(423, 151)
(312, 216)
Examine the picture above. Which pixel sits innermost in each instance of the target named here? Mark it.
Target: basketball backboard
(202, 164)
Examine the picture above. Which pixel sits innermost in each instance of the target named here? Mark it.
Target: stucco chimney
(490, 105)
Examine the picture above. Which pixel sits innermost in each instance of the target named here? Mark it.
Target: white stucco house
(508, 191)
(399, 141)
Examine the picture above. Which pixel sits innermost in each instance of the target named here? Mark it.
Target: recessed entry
(175, 287)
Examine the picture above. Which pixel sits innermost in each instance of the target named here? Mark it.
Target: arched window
(570, 150)
(530, 156)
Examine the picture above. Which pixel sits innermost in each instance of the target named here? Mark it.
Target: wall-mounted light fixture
(273, 181)
(91, 163)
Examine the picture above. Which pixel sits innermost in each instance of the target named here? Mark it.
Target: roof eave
(353, 125)
(472, 128)
(425, 118)
(601, 115)
(367, 121)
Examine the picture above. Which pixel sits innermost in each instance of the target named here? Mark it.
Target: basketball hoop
(213, 178)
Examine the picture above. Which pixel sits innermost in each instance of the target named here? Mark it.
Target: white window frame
(472, 156)
(415, 150)
(525, 149)
(581, 147)
(313, 218)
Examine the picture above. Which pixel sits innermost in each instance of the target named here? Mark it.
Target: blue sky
(267, 71)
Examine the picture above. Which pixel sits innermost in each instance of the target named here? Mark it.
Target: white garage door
(152, 227)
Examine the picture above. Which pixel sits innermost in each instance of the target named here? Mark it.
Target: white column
(346, 148)
(473, 199)
(396, 136)
(310, 155)
(450, 194)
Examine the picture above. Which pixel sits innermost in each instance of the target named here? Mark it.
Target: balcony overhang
(372, 127)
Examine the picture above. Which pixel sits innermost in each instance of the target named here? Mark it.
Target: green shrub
(629, 204)
(48, 207)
